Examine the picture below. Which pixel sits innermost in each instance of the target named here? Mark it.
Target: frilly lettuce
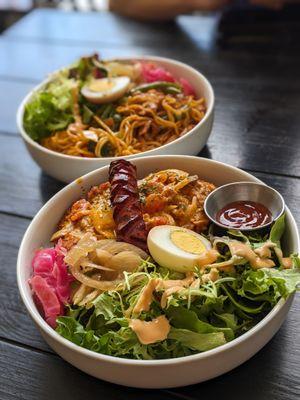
(200, 318)
(50, 109)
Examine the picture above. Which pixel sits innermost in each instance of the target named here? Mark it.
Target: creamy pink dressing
(243, 250)
(146, 296)
(167, 293)
(212, 275)
(151, 331)
(286, 262)
(265, 250)
(209, 257)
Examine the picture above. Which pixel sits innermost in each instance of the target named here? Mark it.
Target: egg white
(119, 86)
(167, 254)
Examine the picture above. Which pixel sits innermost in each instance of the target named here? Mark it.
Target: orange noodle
(148, 120)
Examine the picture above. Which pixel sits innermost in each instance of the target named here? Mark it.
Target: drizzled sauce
(244, 214)
(152, 331)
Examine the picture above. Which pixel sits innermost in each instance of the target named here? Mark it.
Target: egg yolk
(101, 85)
(187, 242)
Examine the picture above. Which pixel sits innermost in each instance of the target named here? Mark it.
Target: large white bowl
(160, 373)
(67, 168)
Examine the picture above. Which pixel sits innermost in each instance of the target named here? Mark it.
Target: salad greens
(51, 109)
(200, 318)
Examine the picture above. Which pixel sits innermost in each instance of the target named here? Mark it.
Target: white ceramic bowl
(67, 168)
(159, 373)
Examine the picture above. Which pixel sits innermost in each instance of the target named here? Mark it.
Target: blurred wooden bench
(12, 10)
(79, 5)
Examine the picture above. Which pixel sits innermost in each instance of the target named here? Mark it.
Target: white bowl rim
(42, 324)
(28, 139)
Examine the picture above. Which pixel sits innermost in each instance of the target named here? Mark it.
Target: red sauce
(244, 214)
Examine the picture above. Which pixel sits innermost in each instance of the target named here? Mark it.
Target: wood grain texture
(12, 93)
(94, 28)
(258, 31)
(32, 188)
(221, 63)
(32, 375)
(24, 188)
(15, 323)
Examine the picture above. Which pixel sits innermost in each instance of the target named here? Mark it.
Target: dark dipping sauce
(244, 214)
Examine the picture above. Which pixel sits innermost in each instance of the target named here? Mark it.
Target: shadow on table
(192, 33)
(243, 26)
(205, 152)
(256, 28)
(49, 186)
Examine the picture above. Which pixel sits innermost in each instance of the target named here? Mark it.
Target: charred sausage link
(127, 211)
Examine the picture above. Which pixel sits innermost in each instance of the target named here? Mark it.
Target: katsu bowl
(128, 280)
(94, 111)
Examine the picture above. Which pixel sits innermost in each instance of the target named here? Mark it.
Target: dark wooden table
(252, 59)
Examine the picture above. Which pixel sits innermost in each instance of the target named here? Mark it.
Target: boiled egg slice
(105, 90)
(177, 248)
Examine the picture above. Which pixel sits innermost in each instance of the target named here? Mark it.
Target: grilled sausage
(127, 211)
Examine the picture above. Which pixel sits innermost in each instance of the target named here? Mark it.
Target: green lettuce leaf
(106, 306)
(268, 284)
(197, 341)
(181, 317)
(229, 319)
(50, 110)
(71, 329)
(295, 260)
(243, 304)
(277, 230)
(287, 280)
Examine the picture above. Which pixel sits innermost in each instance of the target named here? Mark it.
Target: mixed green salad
(202, 316)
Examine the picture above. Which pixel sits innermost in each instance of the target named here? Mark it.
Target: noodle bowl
(83, 117)
(67, 167)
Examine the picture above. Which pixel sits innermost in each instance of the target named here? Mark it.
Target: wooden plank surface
(32, 188)
(27, 374)
(93, 28)
(220, 63)
(254, 70)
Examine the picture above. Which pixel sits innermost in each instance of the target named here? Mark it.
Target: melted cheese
(152, 331)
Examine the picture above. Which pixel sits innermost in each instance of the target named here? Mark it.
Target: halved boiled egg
(104, 90)
(177, 248)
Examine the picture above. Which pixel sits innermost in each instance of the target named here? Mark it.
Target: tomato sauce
(244, 214)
